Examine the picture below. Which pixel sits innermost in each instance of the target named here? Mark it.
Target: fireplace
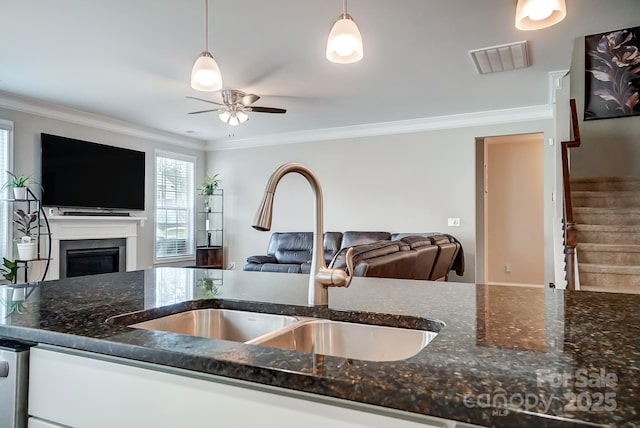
(67, 229)
(92, 256)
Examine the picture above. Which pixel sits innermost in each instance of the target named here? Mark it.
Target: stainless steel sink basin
(225, 324)
(349, 340)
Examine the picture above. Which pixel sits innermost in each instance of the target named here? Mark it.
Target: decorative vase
(20, 193)
(27, 249)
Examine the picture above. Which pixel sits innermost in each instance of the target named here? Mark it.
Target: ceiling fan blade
(205, 111)
(249, 99)
(266, 109)
(206, 101)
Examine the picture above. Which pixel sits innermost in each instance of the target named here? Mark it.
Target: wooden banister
(570, 232)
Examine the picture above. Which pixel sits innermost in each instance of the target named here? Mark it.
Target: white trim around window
(174, 207)
(6, 164)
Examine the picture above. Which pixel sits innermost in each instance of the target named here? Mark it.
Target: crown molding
(555, 83)
(78, 117)
(465, 120)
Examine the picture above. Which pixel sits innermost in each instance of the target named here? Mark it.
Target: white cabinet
(89, 390)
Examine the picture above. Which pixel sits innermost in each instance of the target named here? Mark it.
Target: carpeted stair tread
(618, 270)
(626, 228)
(614, 248)
(605, 183)
(608, 199)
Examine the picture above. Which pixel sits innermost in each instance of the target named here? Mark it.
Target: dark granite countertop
(506, 356)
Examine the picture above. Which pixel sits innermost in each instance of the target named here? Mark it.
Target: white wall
(27, 129)
(610, 147)
(397, 183)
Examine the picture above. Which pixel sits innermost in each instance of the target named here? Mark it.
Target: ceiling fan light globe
(233, 121)
(344, 45)
(242, 116)
(205, 75)
(538, 14)
(224, 116)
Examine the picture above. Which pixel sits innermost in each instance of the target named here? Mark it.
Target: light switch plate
(453, 221)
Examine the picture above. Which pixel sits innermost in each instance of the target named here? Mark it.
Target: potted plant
(26, 223)
(209, 185)
(19, 184)
(9, 270)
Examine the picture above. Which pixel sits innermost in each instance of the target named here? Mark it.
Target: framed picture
(612, 74)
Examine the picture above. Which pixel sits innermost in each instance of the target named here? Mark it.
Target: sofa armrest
(261, 259)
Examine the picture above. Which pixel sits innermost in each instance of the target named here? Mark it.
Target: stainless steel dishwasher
(14, 383)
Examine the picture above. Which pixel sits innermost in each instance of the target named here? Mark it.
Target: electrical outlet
(453, 221)
(507, 268)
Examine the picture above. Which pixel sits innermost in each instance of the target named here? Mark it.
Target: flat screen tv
(82, 174)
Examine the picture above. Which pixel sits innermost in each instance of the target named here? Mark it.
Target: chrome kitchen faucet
(320, 277)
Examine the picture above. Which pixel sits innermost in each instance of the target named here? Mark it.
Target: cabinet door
(209, 257)
(78, 391)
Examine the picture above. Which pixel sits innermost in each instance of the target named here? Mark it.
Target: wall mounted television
(82, 174)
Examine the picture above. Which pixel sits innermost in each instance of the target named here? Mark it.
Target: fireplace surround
(67, 229)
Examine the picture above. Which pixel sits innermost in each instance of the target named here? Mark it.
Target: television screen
(81, 174)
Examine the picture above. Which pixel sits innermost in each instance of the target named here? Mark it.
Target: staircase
(606, 211)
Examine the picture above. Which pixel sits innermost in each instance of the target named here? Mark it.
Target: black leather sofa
(426, 256)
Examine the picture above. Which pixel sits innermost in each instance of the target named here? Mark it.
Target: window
(6, 149)
(175, 214)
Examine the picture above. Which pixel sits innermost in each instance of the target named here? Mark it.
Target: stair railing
(570, 232)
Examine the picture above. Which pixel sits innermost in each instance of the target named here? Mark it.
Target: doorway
(510, 209)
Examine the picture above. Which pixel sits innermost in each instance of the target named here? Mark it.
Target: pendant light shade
(538, 14)
(205, 75)
(345, 41)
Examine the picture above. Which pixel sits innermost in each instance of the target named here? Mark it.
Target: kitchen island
(503, 356)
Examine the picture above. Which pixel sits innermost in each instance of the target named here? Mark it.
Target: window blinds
(6, 129)
(175, 232)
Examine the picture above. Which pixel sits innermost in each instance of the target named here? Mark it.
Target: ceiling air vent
(500, 58)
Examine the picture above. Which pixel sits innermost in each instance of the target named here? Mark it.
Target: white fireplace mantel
(65, 228)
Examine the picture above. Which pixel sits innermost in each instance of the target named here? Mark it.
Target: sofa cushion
(416, 241)
(352, 238)
(281, 267)
(365, 251)
(399, 265)
(261, 259)
(291, 247)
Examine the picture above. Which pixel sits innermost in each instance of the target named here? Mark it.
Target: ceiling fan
(234, 106)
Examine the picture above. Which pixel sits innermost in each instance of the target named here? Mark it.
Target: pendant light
(538, 14)
(206, 75)
(345, 41)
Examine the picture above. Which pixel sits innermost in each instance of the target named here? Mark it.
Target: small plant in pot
(19, 184)
(209, 185)
(26, 223)
(8, 270)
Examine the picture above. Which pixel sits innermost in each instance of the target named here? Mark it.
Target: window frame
(191, 210)
(8, 126)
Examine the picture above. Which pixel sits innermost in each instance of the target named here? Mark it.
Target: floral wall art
(612, 74)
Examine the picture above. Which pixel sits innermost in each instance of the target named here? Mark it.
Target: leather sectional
(424, 256)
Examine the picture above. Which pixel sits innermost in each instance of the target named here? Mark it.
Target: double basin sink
(312, 335)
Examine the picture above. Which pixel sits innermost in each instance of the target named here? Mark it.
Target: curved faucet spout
(320, 277)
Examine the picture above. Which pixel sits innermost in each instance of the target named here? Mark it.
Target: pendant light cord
(206, 25)
(344, 8)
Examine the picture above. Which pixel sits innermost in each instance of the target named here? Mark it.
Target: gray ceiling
(131, 59)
